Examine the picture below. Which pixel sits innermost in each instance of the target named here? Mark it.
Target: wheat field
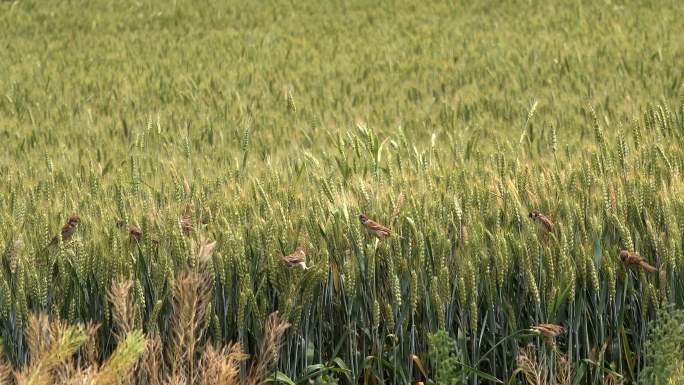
(201, 142)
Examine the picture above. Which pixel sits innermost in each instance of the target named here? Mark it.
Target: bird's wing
(294, 257)
(647, 266)
(377, 227)
(545, 221)
(633, 259)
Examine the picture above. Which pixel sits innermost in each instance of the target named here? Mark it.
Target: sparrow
(374, 228)
(634, 259)
(542, 221)
(296, 259)
(549, 331)
(134, 233)
(186, 221)
(67, 230)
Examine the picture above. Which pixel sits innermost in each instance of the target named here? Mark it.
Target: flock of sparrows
(630, 259)
(298, 258)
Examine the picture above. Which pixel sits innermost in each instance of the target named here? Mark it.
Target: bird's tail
(646, 266)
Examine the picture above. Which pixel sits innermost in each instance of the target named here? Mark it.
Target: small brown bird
(542, 221)
(549, 330)
(374, 228)
(296, 259)
(634, 259)
(134, 233)
(186, 221)
(67, 230)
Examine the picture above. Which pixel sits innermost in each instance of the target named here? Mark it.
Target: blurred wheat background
(167, 126)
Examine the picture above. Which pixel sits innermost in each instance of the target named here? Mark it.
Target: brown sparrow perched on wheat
(634, 259)
(134, 233)
(549, 330)
(296, 259)
(542, 221)
(67, 230)
(374, 228)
